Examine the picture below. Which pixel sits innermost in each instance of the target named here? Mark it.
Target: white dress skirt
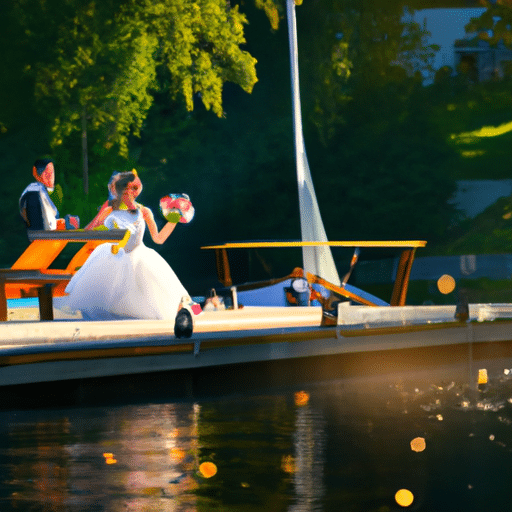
(134, 283)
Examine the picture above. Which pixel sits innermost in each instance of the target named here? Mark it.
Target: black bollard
(183, 326)
(462, 309)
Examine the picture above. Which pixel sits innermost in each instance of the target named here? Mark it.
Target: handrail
(277, 244)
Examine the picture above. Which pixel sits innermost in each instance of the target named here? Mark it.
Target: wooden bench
(43, 282)
(30, 275)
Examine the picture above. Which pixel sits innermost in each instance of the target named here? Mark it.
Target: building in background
(446, 27)
(481, 61)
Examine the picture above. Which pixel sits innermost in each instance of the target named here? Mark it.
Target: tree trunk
(85, 159)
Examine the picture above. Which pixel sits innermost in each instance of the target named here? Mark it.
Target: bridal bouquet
(177, 208)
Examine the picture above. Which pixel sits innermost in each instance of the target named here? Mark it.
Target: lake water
(348, 443)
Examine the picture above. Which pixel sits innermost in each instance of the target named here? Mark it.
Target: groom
(36, 207)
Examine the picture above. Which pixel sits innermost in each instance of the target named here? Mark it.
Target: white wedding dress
(134, 283)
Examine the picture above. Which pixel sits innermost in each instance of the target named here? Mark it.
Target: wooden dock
(70, 349)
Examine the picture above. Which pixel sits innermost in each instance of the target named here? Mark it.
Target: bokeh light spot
(404, 497)
(446, 284)
(208, 469)
(482, 376)
(418, 444)
(301, 398)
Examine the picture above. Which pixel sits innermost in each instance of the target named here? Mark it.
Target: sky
(446, 26)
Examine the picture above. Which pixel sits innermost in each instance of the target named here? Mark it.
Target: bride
(136, 282)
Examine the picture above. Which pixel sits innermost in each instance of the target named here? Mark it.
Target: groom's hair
(40, 165)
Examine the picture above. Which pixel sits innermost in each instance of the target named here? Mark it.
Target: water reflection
(309, 443)
(44, 475)
(437, 437)
(118, 459)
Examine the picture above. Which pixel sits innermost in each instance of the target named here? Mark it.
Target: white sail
(316, 260)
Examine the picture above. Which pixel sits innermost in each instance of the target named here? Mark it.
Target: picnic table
(31, 275)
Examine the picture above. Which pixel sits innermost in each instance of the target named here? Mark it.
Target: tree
(380, 162)
(105, 59)
(494, 24)
(353, 46)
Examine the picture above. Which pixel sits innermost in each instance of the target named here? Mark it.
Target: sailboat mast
(316, 260)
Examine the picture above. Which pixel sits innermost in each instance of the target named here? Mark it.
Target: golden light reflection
(485, 131)
(472, 154)
(109, 458)
(446, 284)
(208, 469)
(482, 376)
(418, 444)
(152, 491)
(288, 464)
(301, 398)
(177, 454)
(404, 497)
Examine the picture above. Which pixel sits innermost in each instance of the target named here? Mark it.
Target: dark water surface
(341, 444)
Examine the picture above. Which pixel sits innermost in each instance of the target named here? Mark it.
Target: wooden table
(45, 246)
(30, 275)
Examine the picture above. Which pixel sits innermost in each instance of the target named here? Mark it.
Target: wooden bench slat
(77, 235)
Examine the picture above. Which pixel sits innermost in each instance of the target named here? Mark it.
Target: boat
(342, 321)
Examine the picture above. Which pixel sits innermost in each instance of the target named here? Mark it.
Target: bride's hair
(121, 182)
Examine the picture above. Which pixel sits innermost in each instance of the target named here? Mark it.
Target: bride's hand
(159, 237)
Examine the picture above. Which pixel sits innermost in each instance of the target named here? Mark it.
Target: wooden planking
(96, 353)
(22, 333)
(253, 317)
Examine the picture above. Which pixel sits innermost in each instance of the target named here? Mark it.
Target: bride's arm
(104, 212)
(159, 237)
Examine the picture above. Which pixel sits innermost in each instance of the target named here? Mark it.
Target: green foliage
(57, 196)
(489, 233)
(378, 142)
(473, 119)
(361, 48)
(200, 46)
(381, 172)
(272, 10)
(19, 148)
(101, 62)
(386, 179)
(495, 24)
